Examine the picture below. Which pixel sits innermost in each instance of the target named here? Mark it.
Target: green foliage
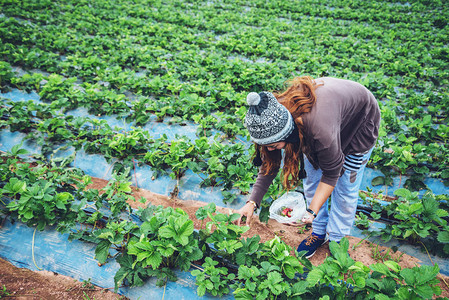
(329, 277)
(117, 194)
(165, 241)
(418, 220)
(6, 75)
(362, 221)
(114, 233)
(39, 204)
(145, 63)
(272, 274)
(212, 279)
(222, 234)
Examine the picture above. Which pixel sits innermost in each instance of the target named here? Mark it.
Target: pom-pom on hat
(267, 120)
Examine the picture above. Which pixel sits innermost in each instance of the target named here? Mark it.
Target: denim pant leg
(345, 196)
(310, 184)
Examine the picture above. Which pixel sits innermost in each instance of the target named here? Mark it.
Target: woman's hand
(246, 211)
(308, 218)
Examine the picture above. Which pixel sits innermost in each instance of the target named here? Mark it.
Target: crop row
(157, 241)
(196, 61)
(65, 94)
(220, 164)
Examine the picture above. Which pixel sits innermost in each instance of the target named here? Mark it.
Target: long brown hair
(299, 98)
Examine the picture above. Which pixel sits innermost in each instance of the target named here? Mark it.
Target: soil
(26, 284)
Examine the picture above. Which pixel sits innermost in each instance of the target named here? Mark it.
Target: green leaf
(393, 265)
(154, 260)
(314, 277)
(185, 231)
(379, 180)
(60, 205)
(201, 290)
(409, 276)
(403, 193)
(102, 251)
(442, 213)
(166, 251)
(405, 293)
(425, 273)
(443, 237)
(425, 291)
(299, 288)
(289, 271)
(119, 277)
(359, 279)
(381, 297)
(209, 285)
(196, 254)
(28, 215)
(381, 268)
(167, 232)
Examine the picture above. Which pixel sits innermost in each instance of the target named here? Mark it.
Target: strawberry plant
(181, 154)
(57, 87)
(14, 188)
(114, 234)
(389, 280)
(272, 276)
(6, 75)
(271, 273)
(212, 279)
(20, 117)
(339, 274)
(165, 240)
(362, 221)
(220, 233)
(29, 82)
(116, 194)
(140, 114)
(420, 220)
(40, 205)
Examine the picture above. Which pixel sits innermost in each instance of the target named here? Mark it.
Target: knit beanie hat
(267, 120)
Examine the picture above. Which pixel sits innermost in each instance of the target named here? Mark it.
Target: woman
(335, 123)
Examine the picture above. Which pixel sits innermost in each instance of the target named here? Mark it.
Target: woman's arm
(323, 191)
(259, 190)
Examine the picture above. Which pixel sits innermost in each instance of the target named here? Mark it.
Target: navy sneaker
(312, 243)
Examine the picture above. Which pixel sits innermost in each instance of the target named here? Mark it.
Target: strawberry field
(152, 93)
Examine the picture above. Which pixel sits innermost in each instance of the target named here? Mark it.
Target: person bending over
(327, 128)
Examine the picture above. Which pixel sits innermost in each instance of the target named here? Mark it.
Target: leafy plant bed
(204, 215)
(359, 250)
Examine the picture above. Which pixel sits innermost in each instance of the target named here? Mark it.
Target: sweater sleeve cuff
(329, 180)
(260, 187)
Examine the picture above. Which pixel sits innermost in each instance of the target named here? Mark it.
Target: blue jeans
(339, 220)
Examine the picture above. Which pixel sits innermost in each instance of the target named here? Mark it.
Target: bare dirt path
(19, 283)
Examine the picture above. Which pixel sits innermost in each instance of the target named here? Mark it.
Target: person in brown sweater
(327, 128)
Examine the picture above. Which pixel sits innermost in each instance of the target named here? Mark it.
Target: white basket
(293, 200)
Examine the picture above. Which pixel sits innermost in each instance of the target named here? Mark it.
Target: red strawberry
(287, 212)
